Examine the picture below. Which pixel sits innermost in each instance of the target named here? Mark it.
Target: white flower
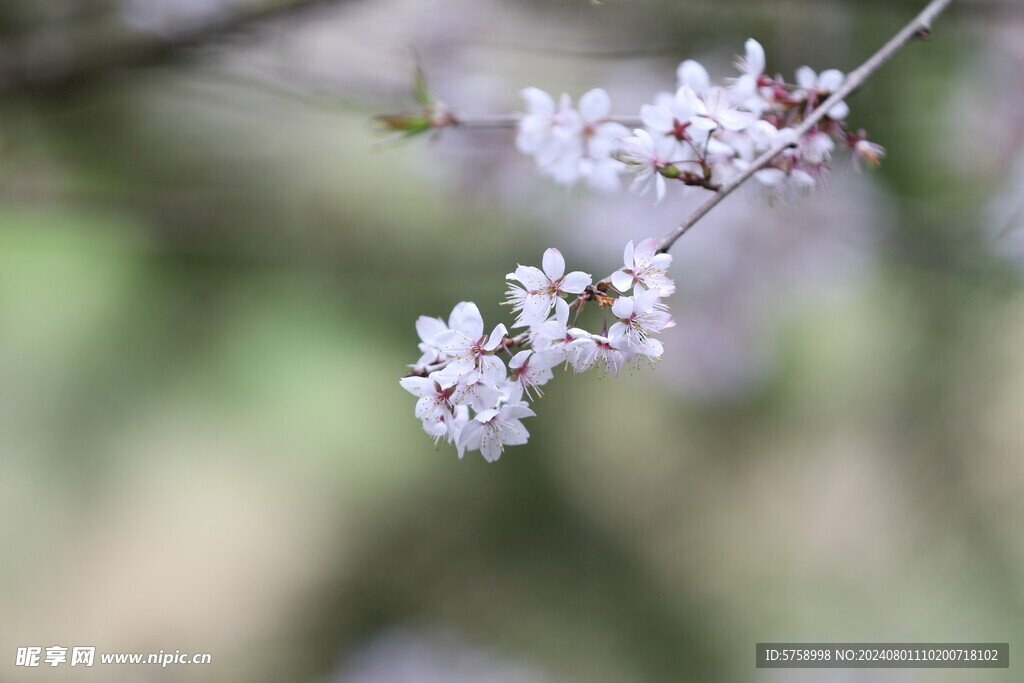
(480, 388)
(542, 288)
(816, 147)
(466, 344)
(545, 131)
(588, 349)
(641, 316)
(670, 117)
(533, 370)
(491, 430)
(429, 329)
(553, 333)
(646, 157)
(714, 110)
(434, 404)
(645, 267)
(820, 86)
(570, 144)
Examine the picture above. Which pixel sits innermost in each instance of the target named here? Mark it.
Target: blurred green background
(209, 274)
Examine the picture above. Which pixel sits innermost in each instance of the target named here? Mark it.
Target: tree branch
(919, 27)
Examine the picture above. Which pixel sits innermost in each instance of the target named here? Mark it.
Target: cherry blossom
(541, 288)
(588, 349)
(714, 109)
(670, 117)
(814, 86)
(493, 429)
(816, 147)
(465, 342)
(465, 393)
(646, 157)
(702, 135)
(480, 388)
(546, 129)
(645, 267)
(572, 144)
(641, 316)
(435, 401)
(553, 333)
(533, 370)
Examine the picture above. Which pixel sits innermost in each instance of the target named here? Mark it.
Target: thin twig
(919, 27)
(512, 121)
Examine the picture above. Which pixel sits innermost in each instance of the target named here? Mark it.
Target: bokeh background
(209, 272)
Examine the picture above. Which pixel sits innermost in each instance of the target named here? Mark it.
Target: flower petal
(839, 111)
(623, 307)
(622, 281)
(575, 282)
(516, 412)
(417, 386)
(519, 359)
(644, 251)
(514, 434)
(806, 78)
(661, 262)
(497, 334)
(693, 74)
(754, 57)
(627, 254)
(471, 435)
(732, 119)
(538, 101)
(545, 360)
(466, 318)
(656, 118)
(595, 105)
(660, 188)
(554, 264)
(492, 368)
(532, 278)
(490, 447)
(831, 79)
(428, 328)
(453, 342)
(561, 312)
(535, 310)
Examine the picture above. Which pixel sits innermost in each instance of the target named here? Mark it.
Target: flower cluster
(572, 144)
(469, 397)
(701, 134)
